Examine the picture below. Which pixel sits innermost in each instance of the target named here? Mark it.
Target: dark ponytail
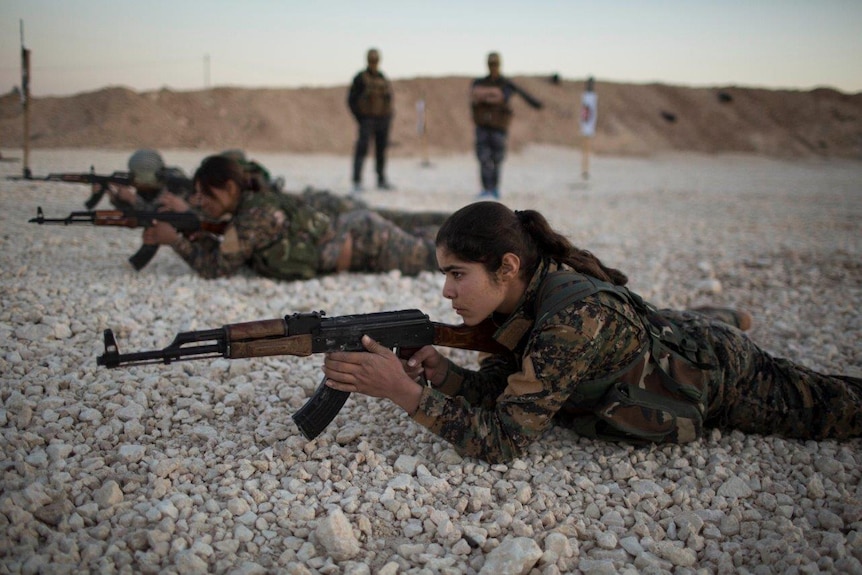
(483, 232)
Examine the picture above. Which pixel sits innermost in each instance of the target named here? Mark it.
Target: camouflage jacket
(495, 412)
(273, 233)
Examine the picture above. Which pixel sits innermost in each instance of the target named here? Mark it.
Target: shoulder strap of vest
(562, 288)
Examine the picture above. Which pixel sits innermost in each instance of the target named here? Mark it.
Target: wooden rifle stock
(477, 338)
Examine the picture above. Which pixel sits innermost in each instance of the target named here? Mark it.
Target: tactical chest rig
(659, 396)
(376, 100)
(494, 115)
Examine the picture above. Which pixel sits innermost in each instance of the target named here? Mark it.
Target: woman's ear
(233, 188)
(510, 267)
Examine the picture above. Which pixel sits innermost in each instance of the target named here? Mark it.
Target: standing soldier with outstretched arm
(492, 114)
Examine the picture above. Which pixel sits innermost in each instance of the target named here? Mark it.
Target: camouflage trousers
(333, 205)
(378, 245)
(490, 150)
(755, 392)
(424, 224)
(376, 128)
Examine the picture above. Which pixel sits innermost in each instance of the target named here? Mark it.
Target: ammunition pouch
(376, 98)
(493, 116)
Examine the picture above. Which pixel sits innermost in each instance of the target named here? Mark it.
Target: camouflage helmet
(145, 166)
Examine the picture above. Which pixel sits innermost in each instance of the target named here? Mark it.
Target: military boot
(738, 318)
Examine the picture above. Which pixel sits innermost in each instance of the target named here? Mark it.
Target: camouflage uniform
(281, 237)
(592, 365)
(378, 246)
(424, 224)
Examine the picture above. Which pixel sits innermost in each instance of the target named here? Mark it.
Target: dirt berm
(634, 119)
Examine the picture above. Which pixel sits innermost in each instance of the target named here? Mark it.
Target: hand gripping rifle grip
(319, 411)
(142, 257)
(95, 198)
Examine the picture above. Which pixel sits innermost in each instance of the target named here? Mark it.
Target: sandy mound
(633, 119)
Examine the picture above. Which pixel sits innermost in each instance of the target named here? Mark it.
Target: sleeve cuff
(454, 379)
(181, 245)
(430, 406)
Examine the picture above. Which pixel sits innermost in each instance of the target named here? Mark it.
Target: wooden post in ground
(25, 101)
(585, 156)
(589, 113)
(422, 129)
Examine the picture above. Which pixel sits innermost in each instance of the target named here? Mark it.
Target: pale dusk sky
(86, 45)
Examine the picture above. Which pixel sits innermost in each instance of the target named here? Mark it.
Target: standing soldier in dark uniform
(370, 102)
(492, 114)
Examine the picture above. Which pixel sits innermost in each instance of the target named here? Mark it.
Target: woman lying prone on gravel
(588, 353)
(283, 236)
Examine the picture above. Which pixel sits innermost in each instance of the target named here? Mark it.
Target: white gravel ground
(197, 467)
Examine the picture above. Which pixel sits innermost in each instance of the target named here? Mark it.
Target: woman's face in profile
(474, 292)
(215, 202)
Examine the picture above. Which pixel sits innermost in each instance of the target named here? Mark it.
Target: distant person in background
(279, 236)
(492, 114)
(589, 115)
(370, 102)
(154, 185)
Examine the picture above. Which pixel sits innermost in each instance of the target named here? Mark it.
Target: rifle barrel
(73, 218)
(178, 350)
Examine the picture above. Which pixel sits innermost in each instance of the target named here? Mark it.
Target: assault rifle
(103, 182)
(186, 223)
(303, 334)
(170, 178)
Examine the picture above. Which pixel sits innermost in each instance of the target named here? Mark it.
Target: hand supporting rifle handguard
(101, 183)
(302, 334)
(187, 223)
